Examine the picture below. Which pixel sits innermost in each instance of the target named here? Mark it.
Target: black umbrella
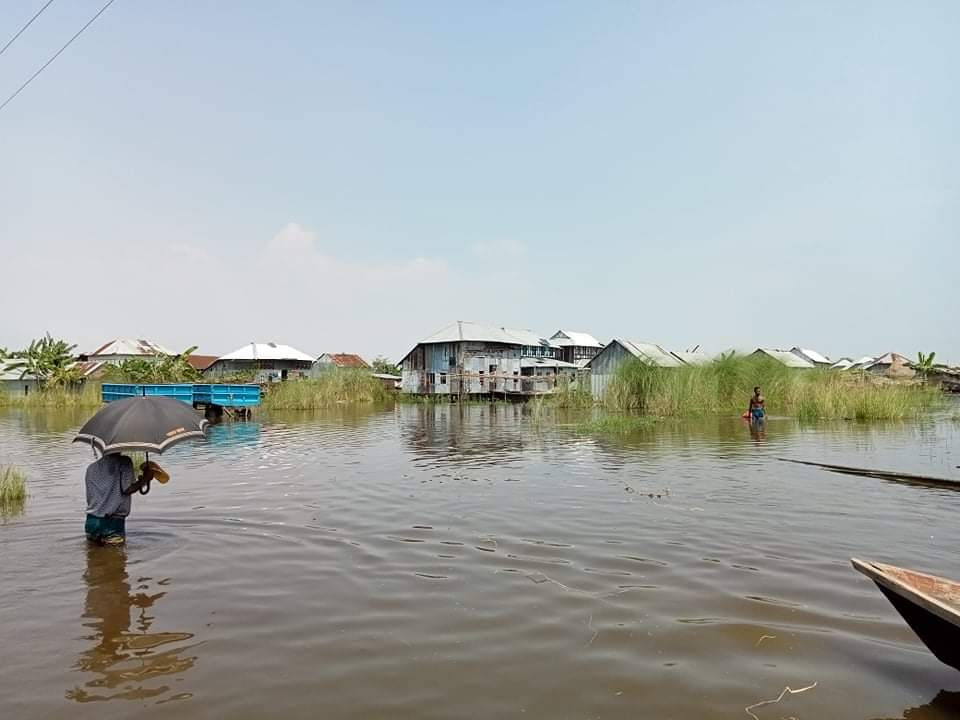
(148, 424)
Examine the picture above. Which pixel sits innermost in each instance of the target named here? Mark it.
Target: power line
(56, 54)
(29, 23)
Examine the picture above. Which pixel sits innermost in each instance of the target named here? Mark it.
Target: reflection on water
(125, 659)
(436, 561)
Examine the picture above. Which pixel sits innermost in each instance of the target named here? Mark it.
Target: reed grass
(725, 385)
(86, 396)
(13, 490)
(332, 387)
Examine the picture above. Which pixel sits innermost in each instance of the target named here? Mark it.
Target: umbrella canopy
(148, 424)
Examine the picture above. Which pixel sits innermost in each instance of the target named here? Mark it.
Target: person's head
(756, 390)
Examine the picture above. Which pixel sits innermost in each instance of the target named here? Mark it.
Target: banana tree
(47, 360)
(924, 364)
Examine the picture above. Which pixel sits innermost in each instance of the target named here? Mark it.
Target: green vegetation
(725, 385)
(85, 395)
(13, 490)
(381, 365)
(924, 364)
(160, 369)
(50, 362)
(617, 424)
(571, 395)
(138, 458)
(331, 387)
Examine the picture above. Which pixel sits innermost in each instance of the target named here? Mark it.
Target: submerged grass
(88, 395)
(725, 385)
(13, 490)
(616, 424)
(333, 387)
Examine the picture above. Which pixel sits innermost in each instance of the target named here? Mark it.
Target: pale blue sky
(354, 176)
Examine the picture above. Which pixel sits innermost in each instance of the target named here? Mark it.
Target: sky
(351, 177)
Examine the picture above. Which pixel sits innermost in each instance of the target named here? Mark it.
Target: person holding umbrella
(145, 424)
(111, 482)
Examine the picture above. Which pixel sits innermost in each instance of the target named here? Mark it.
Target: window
(431, 378)
(443, 378)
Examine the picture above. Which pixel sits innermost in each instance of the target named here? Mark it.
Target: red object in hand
(746, 415)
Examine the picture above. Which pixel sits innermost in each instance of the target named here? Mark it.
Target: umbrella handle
(144, 489)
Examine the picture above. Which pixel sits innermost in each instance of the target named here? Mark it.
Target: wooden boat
(929, 604)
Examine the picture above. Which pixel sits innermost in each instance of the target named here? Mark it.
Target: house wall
(572, 353)
(462, 368)
(266, 370)
(18, 388)
(117, 359)
(604, 367)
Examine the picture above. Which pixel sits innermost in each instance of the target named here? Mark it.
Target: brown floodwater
(479, 562)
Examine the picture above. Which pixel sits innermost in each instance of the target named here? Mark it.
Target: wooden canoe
(929, 604)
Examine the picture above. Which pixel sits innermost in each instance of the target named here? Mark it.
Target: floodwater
(479, 562)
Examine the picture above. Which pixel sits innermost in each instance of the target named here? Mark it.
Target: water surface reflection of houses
(270, 362)
(471, 359)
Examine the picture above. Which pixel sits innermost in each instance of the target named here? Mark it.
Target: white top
(571, 338)
(267, 351)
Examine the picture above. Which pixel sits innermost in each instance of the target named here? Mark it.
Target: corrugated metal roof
(546, 362)
(811, 355)
(842, 364)
(691, 358)
(89, 367)
(649, 352)
(128, 346)
(862, 363)
(344, 360)
(8, 375)
(891, 357)
(462, 330)
(266, 351)
(201, 362)
(791, 360)
(572, 338)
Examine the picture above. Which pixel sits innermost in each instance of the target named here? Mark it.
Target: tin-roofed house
(812, 356)
(893, 365)
(692, 357)
(603, 368)
(269, 362)
(16, 383)
(843, 363)
(784, 357)
(471, 359)
(117, 351)
(577, 348)
(340, 360)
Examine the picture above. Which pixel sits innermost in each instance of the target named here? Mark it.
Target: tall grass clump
(85, 396)
(570, 395)
(332, 387)
(13, 490)
(724, 386)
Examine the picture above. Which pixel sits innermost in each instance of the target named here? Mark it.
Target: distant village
(465, 359)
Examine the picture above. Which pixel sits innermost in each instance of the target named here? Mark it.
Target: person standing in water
(758, 412)
(110, 482)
